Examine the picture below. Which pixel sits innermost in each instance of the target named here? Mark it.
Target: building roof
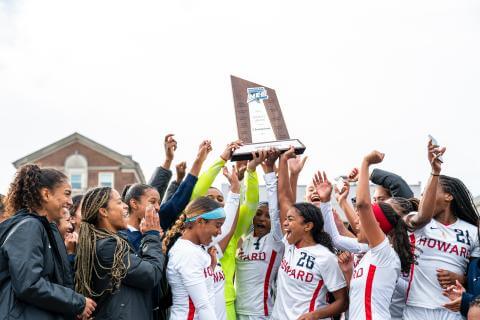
(126, 161)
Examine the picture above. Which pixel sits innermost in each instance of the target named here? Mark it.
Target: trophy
(260, 122)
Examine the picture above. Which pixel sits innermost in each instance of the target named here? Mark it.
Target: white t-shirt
(304, 278)
(188, 265)
(439, 247)
(257, 263)
(373, 282)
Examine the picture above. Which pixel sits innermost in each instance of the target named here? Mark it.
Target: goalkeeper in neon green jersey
(247, 209)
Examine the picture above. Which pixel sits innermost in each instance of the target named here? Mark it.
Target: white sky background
(351, 76)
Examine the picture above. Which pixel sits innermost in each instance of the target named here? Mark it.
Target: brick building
(87, 163)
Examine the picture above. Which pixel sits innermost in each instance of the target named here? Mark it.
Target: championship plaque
(260, 122)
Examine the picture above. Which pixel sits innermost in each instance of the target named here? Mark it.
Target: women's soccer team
(184, 250)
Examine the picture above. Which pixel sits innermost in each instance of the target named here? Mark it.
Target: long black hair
(462, 205)
(313, 214)
(399, 237)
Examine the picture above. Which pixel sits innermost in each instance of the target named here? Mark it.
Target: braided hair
(24, 192)
(87, 261)
(462, 205)
(399, 237)
(193, 209)
(313, 214)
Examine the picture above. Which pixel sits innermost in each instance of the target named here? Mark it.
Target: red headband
(385, 225)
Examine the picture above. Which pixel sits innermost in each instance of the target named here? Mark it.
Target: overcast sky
(350, 76)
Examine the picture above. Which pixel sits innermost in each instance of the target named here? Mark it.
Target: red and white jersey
(373, 282)
(257, 263)
(188, 264)
(304, 278)
(219, 287)
(438, 246)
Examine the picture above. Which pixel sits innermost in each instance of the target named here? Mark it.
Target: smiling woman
(32, 257)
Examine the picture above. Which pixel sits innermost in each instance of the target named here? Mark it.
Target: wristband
(435, 175)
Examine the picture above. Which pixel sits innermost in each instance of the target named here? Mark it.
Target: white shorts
(244, 317)
(417, 313)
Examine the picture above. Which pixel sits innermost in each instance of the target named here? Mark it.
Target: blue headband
(218, 213)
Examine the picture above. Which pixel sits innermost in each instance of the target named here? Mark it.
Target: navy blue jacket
(473, 285)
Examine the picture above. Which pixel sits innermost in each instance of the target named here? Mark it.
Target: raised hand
(203, 150)
(170, 145)
(257, 159)
(323, 186)
(296, 164)
(232, 178)
(230, 148)
(181, 169)
(353, 175)
(434, 152)
(241, 167)
(289, 154)
(342, 194)
(374, 157)
(269, 164)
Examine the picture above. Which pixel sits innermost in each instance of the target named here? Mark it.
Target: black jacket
(133, 300)
(34, 280)
(393, 182)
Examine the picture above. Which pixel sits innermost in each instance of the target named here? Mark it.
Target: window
(105, 179)
(76, 167)
(76, 180)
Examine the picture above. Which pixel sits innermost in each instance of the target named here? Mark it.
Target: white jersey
(399, 297)
(257, 263)
(304, 278)
(439, 247)
(189, 264)
(219, 287)
(373, 282)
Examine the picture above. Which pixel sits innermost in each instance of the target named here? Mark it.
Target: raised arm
(206, 179)
(324, 189)
(342, 200)
(285, 196)
(272, 194)
(249, 207)
(295, 166)
(372, 230)
(181, 169)
(162, 174)
(393, 182)
(231, 209)
(170, 209)
(426, 208)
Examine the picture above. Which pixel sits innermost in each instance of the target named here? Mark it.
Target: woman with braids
(107, 268)
(446, 236)
(190, 268)
(35, 281)
(375, 275)
(309, 267)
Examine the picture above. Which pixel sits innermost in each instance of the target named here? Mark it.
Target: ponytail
(399, 237)
(174, 233)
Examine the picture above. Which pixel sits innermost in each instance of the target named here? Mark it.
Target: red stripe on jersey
(191, 309)
(368, 292)
(315, 296)
(266, 283)
(412, 267)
